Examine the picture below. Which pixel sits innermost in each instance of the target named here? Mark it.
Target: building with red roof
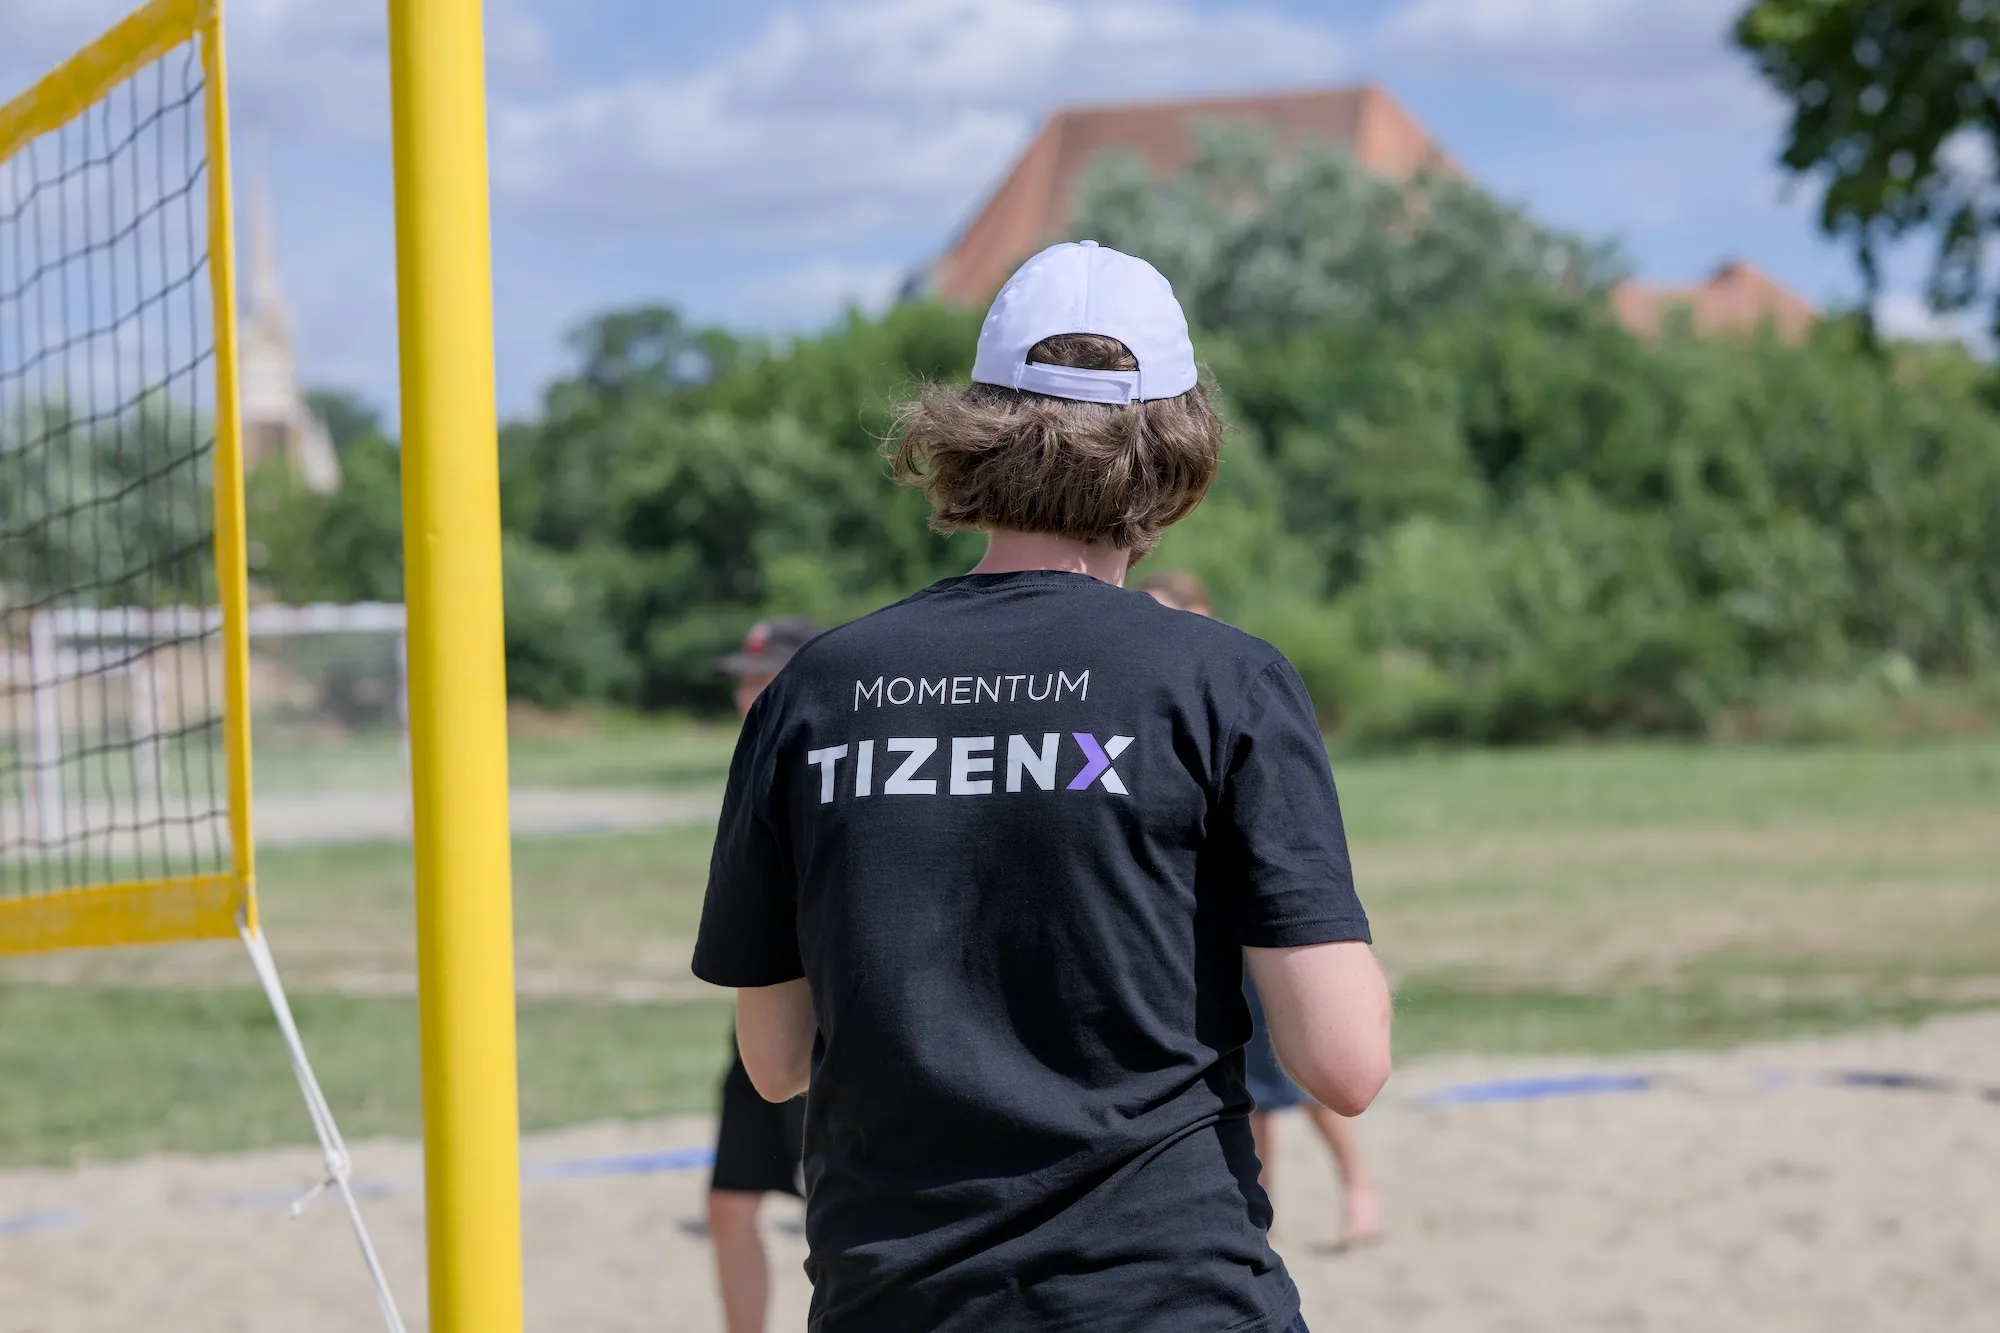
(1036, 200)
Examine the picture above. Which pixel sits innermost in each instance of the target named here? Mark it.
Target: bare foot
(1361, 1217)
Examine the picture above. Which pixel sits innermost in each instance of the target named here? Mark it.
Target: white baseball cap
(1083, 287)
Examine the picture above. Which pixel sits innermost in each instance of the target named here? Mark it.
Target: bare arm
(775, 1027)
(1328, 1008)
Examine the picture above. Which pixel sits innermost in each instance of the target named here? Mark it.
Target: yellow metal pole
(457, 686)
(232, 574)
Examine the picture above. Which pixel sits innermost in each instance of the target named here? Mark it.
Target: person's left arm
(748, 939)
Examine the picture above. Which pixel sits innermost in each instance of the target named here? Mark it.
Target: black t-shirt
(1013, 831)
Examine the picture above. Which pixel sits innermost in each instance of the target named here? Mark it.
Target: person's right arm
(748, 938)
(1328, 1010)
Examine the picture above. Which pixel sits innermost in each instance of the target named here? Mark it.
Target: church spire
(267, 294)
(276, 420)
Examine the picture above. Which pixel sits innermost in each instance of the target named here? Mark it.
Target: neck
(1012, 552)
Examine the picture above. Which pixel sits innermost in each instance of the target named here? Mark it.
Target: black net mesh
(316, 690)
(111, 766)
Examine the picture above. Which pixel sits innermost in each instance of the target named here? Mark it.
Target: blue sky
(765, 162)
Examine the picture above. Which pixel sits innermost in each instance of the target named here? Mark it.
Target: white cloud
(1647, 123)
(309, 72)
(826, 124)
(1907, 315)
(810, 293)
(824, 135)
(840, 122)
(1968, 153)
(519, 50)
(294, 65)
(301, 70)
(1595, 56)
(39, 35)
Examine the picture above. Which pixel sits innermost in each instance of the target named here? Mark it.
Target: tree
(1895, 106)
(668, 508)
(342, 547)
(1268, 244)
(106, 509)
(346, 415)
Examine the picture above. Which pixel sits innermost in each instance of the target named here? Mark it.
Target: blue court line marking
(1876, 1078)
(580, 1168)
(1896, 1080)
(20, 1224)
(624, 1164)
(1536, 1089)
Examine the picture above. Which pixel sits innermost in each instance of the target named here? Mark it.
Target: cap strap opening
(1089, 386)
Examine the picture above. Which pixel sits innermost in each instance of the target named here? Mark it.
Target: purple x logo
(1097, 762)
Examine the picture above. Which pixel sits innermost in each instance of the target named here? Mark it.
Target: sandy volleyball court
(1741, 1191)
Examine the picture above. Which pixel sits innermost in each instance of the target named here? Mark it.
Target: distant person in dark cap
(758, 1145)
(769, 645)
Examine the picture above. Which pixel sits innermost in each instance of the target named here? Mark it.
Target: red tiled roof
(1736, 298)
(1034, 204)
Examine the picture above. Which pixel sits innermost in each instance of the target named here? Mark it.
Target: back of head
(1085, 419)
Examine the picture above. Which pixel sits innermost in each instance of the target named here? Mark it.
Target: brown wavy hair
(1116, 474)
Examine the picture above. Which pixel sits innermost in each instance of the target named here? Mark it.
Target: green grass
(1610, 898)
(596, 915)
(205, 1071)
(1452, 793)
(620, 751)
(594, 750)
(607, 916)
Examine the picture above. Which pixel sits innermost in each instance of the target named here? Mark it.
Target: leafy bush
(563, 646)
(343, 547)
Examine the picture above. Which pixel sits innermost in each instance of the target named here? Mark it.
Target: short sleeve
(1278, 831)
(749, 920)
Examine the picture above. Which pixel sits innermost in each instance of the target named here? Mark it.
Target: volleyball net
(124, 802)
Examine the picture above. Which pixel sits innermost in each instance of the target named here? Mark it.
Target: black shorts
(759, 1145)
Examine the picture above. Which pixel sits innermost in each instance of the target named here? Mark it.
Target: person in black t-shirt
(758, 1146)
(1273, 1089)
(991, 862)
